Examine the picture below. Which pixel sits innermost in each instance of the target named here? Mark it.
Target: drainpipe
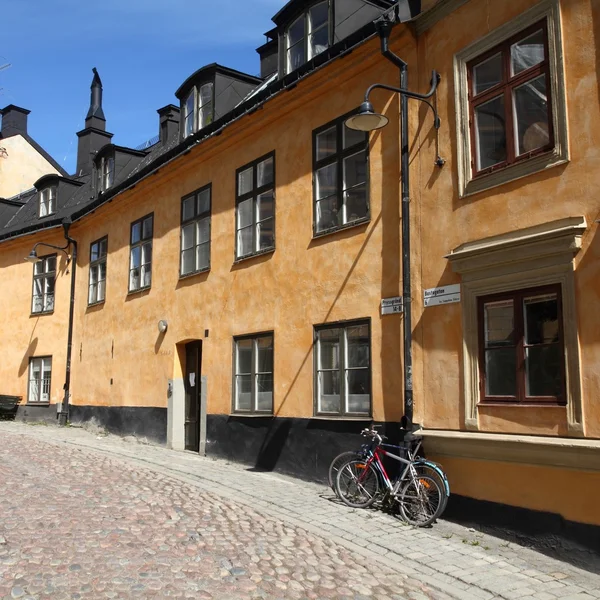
(64, 413)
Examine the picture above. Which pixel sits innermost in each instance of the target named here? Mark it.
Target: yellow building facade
(228, 291)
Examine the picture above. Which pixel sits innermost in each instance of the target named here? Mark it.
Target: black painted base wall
(145, 422)
(37, 414)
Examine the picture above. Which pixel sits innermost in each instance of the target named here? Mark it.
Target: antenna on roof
(3, 67)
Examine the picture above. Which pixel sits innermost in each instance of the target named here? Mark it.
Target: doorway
(192, 384)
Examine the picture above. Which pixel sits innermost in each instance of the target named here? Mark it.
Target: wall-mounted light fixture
(162, 326)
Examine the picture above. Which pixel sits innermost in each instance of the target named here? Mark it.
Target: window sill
(515, 171)
(252, 415)
(357, 223)
(37, 404)
(193, 273)
(529, 404)
(42, 313)
(254, 255)
(139, 290)
(365, 418)
(93, 304)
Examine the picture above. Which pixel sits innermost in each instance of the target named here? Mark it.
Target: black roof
(209, 71)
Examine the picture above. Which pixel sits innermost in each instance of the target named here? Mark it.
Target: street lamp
(63, 416)
(366, 119)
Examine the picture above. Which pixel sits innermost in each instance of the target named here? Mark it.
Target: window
(307, 36)
(340, 188)
(47, 201)
(198, 109)
(140, 258)
(511, 107)
(253, 374)
(44, 275)
(40, 376)
(509, 91)
(521, 346)
(255, 207)
(97, 285)
(343, 369)
(105, 170)
(195, 232)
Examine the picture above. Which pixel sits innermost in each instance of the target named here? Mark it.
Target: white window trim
(48, 201)
(42, 360)
(532, 257)
(467, 184)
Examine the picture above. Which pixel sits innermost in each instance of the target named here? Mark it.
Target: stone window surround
(467, 184)
(531, 257)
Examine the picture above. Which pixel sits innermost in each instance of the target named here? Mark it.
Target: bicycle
(420, 497)
(421, 464)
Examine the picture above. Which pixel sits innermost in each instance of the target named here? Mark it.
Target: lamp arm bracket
(61, 248)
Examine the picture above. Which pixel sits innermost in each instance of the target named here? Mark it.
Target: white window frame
(144, 244)
(309, 53)
(343, 370)
(467, 183)
(97, 282)
(39, 390)
(105, 172)
(254, 374)
(211, 103)
(190, 99)
(47, 205)
(41, 273)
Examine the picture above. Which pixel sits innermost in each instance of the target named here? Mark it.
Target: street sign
(442, 295)
(391, 306)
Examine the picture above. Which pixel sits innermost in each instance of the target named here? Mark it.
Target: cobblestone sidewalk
(448, 560)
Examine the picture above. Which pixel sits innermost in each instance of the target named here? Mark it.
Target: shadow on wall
(24, 366)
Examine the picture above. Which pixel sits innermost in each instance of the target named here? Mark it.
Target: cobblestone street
(86, 515)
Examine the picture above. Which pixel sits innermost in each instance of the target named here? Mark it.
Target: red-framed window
(510, 110)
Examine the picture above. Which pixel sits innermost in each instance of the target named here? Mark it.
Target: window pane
(136, 254)
(94, 252)
(92, 294)
(499, 324)
(266, 234)
(296, 57)
(244, 213)
(264, 392)
(243, 400)
(541, 319)
(202, 256)
(326, 180)
(296, 31)
(329, 349)
(326, 143)
(501, 372)
(264, 175)
(543, 370)
(358, 346)
(355, 170)
(244, 357)
(103, 247)
(318, 42)
(204, 201)
(491, 133)
(189, 115)
(147, 228)
(317, 16)
(205, 115)
(136, 232)
(134, 279)
(355, 202)
(188, 209)
(527, 52)
(187, 236)
(50, 263)
(206, 93)
(187, 261)
(245, 183)
(329, 392)
(264, 348)
(531, 115)
(102, 271)
(487, 74)
(147, 275)
(49, 302)
(49, 285)
(327, 214)
(244, 241)
(203, 231)
(359, 400)
(146, 254)
(265, 205)
(38, 267)
(93, 274)
(101, 290)
(352, 136)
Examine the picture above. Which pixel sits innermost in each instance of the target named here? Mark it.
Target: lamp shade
(33, 257)
(162, 326)
(366, 119)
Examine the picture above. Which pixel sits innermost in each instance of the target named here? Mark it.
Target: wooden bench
(8, 407)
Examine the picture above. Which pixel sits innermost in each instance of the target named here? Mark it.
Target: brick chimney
(14, 121)
(94, 136)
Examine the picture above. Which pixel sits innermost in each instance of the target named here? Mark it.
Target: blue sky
(143, 50)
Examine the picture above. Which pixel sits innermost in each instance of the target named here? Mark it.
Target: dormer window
(198, 109)
(47, 201)
(105, 170)
(307, 36)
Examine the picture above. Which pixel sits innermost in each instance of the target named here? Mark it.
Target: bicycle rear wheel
(420, 500)
(357, 484)
(339, 461)
(424, 467)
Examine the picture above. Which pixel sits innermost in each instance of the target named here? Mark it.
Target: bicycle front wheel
(339, 461)
(421, 500)
(357, 484)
